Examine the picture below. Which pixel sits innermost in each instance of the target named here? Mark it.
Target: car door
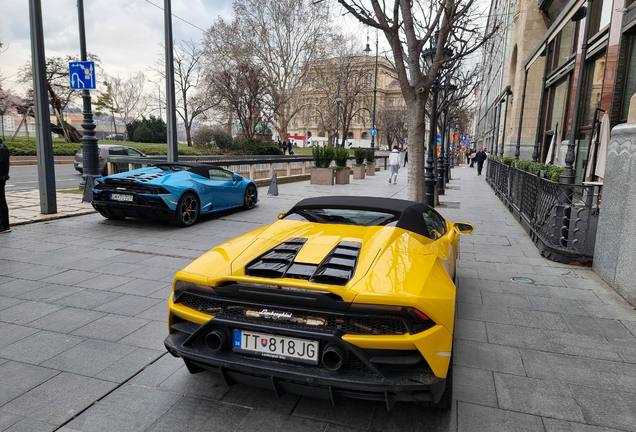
(226, 191)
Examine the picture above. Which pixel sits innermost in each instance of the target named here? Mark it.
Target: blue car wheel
(187, 210)
(250, 198)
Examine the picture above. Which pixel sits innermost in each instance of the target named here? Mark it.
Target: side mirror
(464, 228)
(281, 215)
(237, 178)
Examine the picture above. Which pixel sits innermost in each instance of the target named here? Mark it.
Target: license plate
(120, 197)
(276, 347)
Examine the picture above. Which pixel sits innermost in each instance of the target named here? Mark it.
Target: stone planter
(358, 172)
(322, 176)
(371, 169)
(342, 176)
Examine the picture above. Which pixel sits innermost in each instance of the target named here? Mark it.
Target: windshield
(343, 216)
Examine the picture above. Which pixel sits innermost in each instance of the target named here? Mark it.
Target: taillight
(101, 158)
(419, 320)
(76, 155)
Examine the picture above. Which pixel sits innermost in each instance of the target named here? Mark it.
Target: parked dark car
(106, 150)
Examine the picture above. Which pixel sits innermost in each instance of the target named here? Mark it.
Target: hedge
(551, 172)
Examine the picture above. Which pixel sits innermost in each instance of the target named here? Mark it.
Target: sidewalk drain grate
(25, 217)
(522, 280)
(454, 187)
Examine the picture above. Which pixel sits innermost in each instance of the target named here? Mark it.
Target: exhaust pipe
(334, 357)
(216, 339)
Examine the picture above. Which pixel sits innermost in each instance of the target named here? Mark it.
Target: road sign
(82, 75)
(372, 132)
(439, 138)
(463, 138)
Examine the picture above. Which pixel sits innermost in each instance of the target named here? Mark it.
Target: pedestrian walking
(394, 165)
(289, 148)
(472, 158)
(4, 176)
(480, 157)
(284, 146)
(406, 157)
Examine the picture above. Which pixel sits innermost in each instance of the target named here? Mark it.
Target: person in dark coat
(480, 158)
(406, 157)
(4, 176)
(284, 146)
(289, 148)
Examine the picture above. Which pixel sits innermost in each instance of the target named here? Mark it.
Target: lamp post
(454, 147)
(375, 82)
(450, 91)
(429, 178)
(338, 100)
(89, 142)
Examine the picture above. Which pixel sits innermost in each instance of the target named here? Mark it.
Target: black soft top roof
(201, 169)
(409, 213)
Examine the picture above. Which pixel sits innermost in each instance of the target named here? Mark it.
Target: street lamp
(450, 91)
(375, 82)
(429, 178)
(454, 152)
(338, 100)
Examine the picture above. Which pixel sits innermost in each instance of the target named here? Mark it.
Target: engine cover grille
(348, 323)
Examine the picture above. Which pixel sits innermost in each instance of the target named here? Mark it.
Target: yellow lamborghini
(341, 297)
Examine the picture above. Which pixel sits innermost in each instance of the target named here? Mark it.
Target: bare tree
(127, 95)
(8, 99)
(194, 100)
(282, 38)
(392, 121)
(243, 90)
(348, 76)
(408, 27)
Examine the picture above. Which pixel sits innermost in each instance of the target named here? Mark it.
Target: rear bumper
(146, 207)
(366, 381)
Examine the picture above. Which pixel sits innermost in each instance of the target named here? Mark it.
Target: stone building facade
(351, 80)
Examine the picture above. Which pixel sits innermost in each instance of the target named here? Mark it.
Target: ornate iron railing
(562, 219)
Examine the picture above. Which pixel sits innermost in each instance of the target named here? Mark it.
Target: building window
(593, 89)
(558, 104)
(566, 45)
(630, 78)
(601, 14)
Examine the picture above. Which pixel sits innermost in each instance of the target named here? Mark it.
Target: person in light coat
(394, 164)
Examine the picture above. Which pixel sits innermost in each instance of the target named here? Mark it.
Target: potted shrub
(359, 167)
(342, 170)
(370, 162)
(322, 173)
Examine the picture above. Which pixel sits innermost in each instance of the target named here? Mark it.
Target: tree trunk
(417, 156)
(188, 136)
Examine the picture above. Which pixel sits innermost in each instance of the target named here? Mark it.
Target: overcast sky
(125, 34)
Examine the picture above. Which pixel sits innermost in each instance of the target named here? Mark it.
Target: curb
(33, 160)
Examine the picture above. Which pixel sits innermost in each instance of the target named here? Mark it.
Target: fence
(260, 169)
(561, 219)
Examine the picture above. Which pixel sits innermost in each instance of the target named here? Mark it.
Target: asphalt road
(24, 178)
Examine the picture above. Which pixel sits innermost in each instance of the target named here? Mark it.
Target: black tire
(250, 198)
(187, 211)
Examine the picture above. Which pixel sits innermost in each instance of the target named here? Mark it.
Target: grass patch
(72, 191)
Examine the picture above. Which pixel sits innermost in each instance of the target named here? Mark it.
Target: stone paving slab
(24, 207)
(83, 307)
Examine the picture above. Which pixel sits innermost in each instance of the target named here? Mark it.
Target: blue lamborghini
(176, 192)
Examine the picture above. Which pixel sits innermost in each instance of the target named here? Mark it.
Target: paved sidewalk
(24, 207)
(82, 324)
